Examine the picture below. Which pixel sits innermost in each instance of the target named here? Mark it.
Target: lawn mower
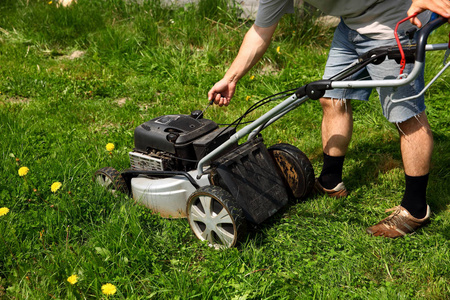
(188, 166)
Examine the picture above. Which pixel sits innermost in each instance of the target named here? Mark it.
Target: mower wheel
(110, 179)
(295, 168)
(214, 216)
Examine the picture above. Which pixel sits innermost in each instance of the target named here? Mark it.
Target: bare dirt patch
(74, 55)
(121, 102)
(14, 100)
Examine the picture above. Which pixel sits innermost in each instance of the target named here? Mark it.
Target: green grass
(144, 60)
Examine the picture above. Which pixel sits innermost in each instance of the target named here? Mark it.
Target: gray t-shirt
(373, 18)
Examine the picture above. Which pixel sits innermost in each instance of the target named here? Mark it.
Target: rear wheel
(110, 179)
(295, 168)
(215, 217)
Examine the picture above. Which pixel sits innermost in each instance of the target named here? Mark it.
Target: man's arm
(441, 7)
(253, 47)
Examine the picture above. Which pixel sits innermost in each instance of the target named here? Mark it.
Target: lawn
(74, 79)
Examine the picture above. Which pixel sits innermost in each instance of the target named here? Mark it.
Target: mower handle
(423, 34)
(316, 90)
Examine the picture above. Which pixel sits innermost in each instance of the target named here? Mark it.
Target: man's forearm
(253, 47)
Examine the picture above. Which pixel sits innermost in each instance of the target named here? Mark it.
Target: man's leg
(337, 127)
(416, 144)
(337, 122)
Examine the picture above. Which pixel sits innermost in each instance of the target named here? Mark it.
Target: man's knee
(335, 106)
(418, 122)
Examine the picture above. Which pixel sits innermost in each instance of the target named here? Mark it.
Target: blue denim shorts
(347, 45)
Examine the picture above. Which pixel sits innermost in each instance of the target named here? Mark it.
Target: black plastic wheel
(111, 179)
(215, 217)
(295, 168)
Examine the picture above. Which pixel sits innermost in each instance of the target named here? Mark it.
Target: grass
(145, 60)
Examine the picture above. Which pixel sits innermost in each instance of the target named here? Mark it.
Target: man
(364, 25)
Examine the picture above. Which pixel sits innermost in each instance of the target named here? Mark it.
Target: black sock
(414, 199)
(331, 174)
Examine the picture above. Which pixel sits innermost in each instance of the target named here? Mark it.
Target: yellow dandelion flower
(110, 147)
(109, 289)
(55, 186)
(252, 77)
(50, 2)
(23, 171)
(248, 98)
(4, 211)
(278, 49)
(72, 279)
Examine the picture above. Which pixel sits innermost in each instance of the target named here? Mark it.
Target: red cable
(402, 53)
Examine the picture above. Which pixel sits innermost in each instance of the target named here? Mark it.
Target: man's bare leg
(416, 142)
(337, 127)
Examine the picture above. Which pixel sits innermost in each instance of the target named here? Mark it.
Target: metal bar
(435, 47)
(401, 80)
(425, 88)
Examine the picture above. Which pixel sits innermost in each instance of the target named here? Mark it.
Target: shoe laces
(393, 220)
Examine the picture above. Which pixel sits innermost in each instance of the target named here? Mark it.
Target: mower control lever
(314, 90)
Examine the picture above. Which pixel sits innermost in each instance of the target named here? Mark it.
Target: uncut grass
(143, 61)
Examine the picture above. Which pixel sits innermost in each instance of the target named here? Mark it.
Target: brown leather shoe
(339, 191)
(399, 223)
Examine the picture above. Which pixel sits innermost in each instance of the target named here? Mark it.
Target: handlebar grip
(423, 34)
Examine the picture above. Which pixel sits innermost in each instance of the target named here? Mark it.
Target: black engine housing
(187, 138)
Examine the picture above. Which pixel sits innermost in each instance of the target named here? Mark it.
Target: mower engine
(175, 142)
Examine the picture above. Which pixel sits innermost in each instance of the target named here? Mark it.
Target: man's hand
(254, 45)
(441, 7)
(222, 92)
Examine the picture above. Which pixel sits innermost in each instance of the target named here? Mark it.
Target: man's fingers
(416, 21)
(217, 98)
(220, 100)
(211, 94)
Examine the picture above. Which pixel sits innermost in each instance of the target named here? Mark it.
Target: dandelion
(50, 2)
(55, 186)
(248, 98)
(72, 279)
(110, 147)
(23, 171)
(109, 289)
(278, 49)
(4, 211)
(252, 77)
